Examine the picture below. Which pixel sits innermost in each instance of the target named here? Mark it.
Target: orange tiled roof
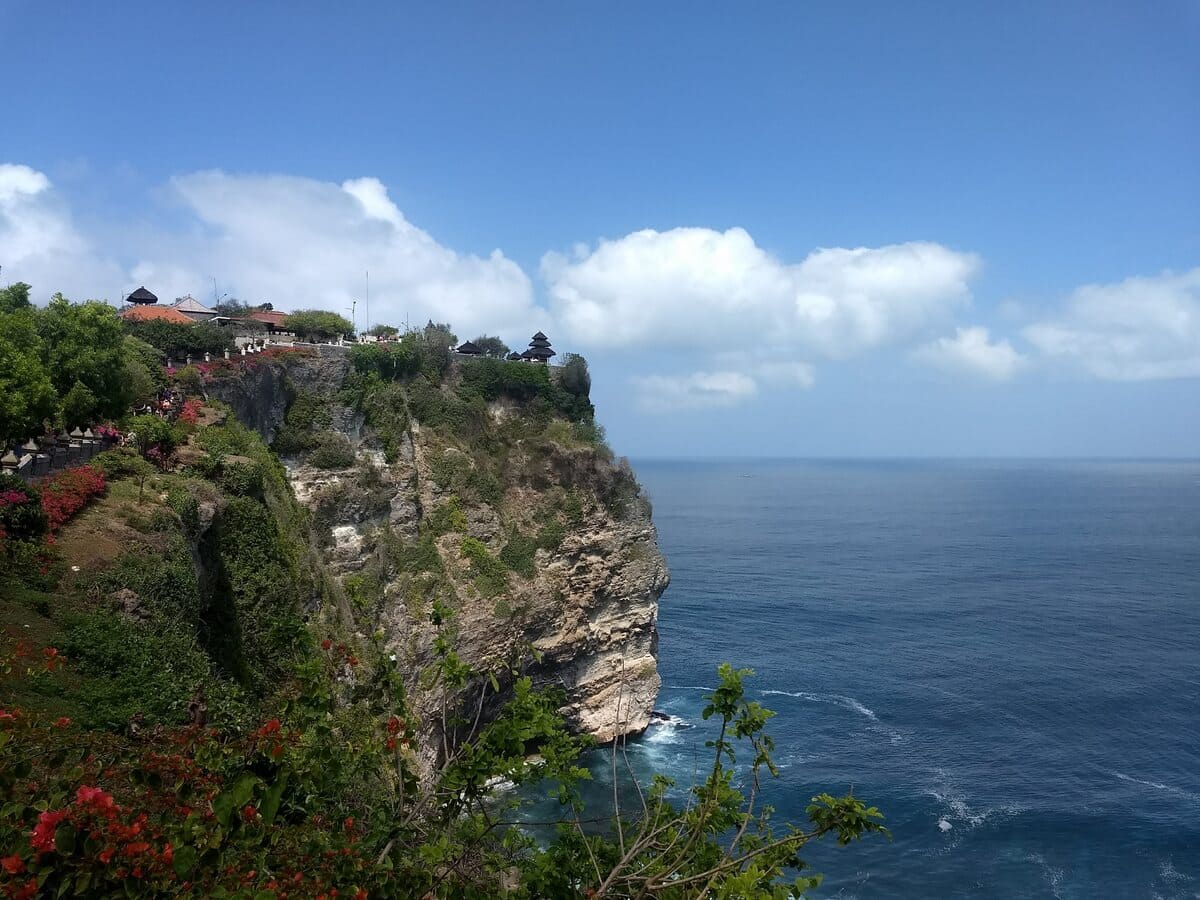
(268, 317)
(146, 313)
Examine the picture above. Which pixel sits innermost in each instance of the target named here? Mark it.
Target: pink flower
(42, 836)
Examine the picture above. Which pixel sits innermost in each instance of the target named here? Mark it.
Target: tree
(27, 394)
(177, 340)
(491, 346)
(383, 331)
(14, 297)
(85, 358)
(232, 307)
(574, 376)
(143, 369)
(317, 324)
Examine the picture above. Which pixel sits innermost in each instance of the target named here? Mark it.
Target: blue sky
(775, 229)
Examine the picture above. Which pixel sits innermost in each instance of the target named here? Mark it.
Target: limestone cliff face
(578, 607)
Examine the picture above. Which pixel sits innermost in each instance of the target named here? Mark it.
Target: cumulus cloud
(1137, 329)
(299, 242)
(972, 351)
(697, 390)
(700, 288)
(39, 243)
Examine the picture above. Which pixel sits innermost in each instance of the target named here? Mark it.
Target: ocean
(1003, 656)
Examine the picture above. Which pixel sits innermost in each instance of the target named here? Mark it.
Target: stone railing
(39, 457)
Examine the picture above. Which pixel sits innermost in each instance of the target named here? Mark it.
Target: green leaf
(64, 839)
(185, 859)
(270, 803)
(223, 806)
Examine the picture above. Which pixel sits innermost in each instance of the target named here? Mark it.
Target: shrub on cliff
(331, 450)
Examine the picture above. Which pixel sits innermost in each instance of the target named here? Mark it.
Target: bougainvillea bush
(65, 494)
(21, 513)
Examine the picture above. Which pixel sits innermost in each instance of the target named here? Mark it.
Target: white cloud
(786, 373)
(698, 390)
(700, 288)
(40, 245)
(972, 351)
(1138, 329)
(299, 242)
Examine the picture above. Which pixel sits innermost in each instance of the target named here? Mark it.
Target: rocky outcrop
(260, 396)
(582, 617)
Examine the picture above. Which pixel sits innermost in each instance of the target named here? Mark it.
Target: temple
(539, 349)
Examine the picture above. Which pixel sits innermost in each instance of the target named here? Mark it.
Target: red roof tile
(157, 313)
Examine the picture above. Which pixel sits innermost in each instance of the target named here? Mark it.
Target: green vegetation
(178, 341)
(489, 574)
(331, 450)
(318, 324)
(492, 347)
(191, 705)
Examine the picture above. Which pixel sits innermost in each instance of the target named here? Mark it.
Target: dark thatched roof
(470, 349)
(141, 295)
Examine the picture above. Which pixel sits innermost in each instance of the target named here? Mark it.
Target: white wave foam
(1170, 874)
(1053, 875)
(836, 699)
(665, 730)
(1158, 786)
(957, 818)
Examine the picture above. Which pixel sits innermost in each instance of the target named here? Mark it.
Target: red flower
(42, 836)
(62, 722)
(94, 797)
(106, 855)
(28, 892)
(349, 823)
(326, 644)
(13, 865)
(249, 813)
(352, 659)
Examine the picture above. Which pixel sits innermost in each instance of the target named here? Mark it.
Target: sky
(773, 229)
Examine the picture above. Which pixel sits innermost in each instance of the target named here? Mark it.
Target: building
(467, 348)
(194, 309)
(539, 349)
(274, 321)
(145, 312)
(141, 296)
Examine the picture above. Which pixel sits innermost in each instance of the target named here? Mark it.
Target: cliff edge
(481, 486)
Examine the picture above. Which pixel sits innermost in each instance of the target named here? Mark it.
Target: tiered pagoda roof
(539, 349)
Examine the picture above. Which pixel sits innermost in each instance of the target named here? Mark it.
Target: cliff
(478, 494)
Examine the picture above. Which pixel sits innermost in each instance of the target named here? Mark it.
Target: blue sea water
(1004, 657)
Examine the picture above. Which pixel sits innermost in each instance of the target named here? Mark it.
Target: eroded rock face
(589, 611)
(585, 621)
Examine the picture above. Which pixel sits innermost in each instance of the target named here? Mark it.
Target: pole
(367, 302)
